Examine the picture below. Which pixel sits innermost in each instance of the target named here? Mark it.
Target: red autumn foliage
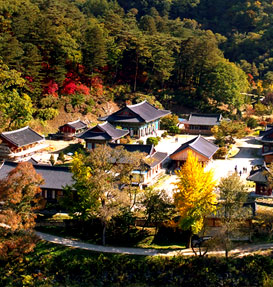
(97, 85)
(72, 85)
(51, 88)
(20, 197)
(29, 79)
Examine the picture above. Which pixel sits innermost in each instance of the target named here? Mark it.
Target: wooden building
(102, 134)
(199, 146)
(55, 178)
(21, 144)
(140, 119)
(153, 163)
(266, 138)
(201, 123)
(262, 186)
(71, 129)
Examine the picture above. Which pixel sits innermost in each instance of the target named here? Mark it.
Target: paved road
(242, 251)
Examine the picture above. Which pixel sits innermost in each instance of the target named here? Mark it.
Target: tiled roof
(204, 119)
(157, 158)
(55, 177)
(77, 125)
(258, 175)
(107, 132)
(142, 112)
(266, 136)
(22, 137)
(145, 148)
(200, 145)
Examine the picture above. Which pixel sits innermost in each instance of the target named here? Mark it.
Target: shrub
(61, 157)
(52, 159)
(169, 121)
(152, 140)
(165, 134)
(140, 142)
(221, 153)
(125, 140)
(251, 123)
(47, 114)
(174, 130)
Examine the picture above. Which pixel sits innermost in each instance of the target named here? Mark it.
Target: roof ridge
(78, 120)
(197, 138)
(18, 130)
(138, 104)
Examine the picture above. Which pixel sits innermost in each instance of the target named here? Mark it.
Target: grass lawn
(135, 237)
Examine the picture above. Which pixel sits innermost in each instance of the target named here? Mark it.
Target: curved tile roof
(22, 137)
(200, 145)
(106, 132)
(141, 112)
(55, 177)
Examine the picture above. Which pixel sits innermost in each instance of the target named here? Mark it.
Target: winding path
(241, 251)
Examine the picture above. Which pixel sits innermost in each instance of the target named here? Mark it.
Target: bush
(152, 140)
(61, 157)
(221, 153)
(169, 121)
(140, 142)
(165, 134)
(47, 114)
(174, 130)
(251, 123)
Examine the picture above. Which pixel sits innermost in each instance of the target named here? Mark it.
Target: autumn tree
(158, 207)
(19, 197)
(15, 104)
(226, 132)
(233, 214)
(194, 195)
(102, 186)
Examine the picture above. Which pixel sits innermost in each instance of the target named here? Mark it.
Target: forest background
(80, 56)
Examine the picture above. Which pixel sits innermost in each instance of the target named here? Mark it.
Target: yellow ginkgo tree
(194, 195)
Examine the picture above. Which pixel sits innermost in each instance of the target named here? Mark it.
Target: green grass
(137, 237)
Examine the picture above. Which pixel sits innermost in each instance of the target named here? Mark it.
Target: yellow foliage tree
(194, 197)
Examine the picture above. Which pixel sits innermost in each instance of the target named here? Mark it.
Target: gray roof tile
(204, 119)
(77, 125)
(145, 148)
(22, 137)
(142, 112)
(107, 132)
(258, 175)
(55, 177)
(200, 145)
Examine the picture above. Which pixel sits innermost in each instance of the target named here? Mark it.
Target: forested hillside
(75, 55)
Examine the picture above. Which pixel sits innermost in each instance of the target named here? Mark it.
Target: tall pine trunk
(103, 233)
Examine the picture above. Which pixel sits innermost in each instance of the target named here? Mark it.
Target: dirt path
(241, 251)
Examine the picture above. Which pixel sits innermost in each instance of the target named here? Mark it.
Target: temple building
(201, 123)
(21, 144)
(71, 129)
(199, 146)
(102, 134)
(266, 138)
(140, 119)
(262, 187)
(153, 160)
(55, 178)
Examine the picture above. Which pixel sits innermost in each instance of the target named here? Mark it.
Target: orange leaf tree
(194, 197)
(19, 197)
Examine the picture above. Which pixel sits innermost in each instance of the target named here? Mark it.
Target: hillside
(66, 59)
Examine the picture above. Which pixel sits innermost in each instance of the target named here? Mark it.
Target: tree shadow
(248, 152)
(72, 148)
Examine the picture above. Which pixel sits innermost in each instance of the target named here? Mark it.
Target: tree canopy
(194, 197)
